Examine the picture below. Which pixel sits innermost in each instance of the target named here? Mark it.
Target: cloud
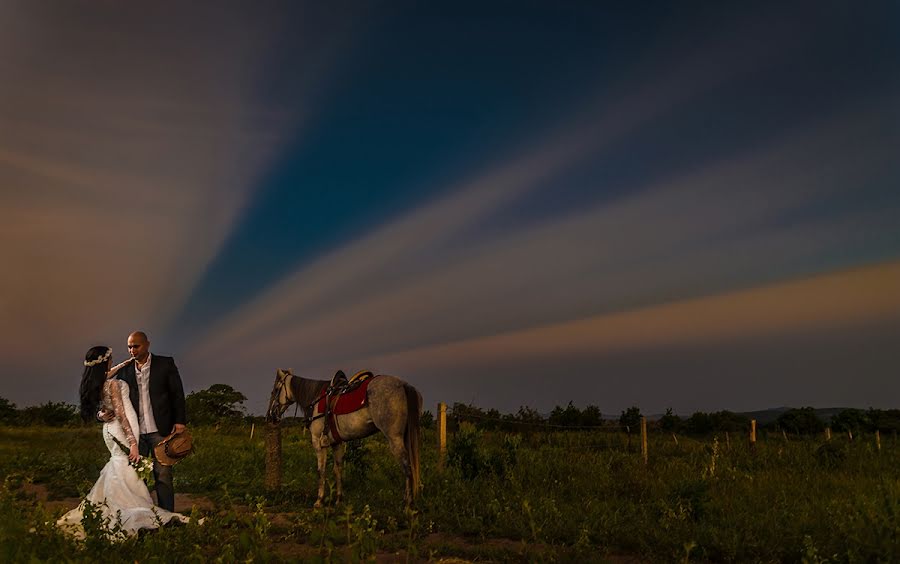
(845, 299)
(131, 140)
(815, 341)
(412, 252)
(439, 295)
(801, 336)
(705, 232)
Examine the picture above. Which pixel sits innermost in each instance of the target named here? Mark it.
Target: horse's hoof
(318, 504)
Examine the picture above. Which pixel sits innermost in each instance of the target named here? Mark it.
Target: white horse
(392, 406)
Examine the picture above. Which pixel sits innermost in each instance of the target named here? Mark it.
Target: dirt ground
(281, 522)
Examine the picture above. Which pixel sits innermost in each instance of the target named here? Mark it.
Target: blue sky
(667, 206)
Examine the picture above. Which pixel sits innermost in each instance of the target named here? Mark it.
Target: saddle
(342, 397)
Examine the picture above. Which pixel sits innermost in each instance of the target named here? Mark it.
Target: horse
(392, 406)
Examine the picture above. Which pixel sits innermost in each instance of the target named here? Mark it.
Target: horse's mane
(307, 391)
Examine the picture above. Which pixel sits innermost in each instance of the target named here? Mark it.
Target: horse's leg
(321, 458)
(389, 407)
(338, 452)
(398, 449)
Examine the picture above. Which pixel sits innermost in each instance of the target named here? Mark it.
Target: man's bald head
(139, 346)
(139, 335)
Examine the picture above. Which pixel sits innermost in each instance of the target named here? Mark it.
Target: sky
(664, 205)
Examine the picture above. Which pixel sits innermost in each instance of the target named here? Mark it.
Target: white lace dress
(119, 493)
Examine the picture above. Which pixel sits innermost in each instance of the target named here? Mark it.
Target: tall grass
(576, 496)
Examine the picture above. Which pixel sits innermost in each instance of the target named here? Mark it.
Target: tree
(528, 415)
(568, 417)
(669, 422)
(214, 404)
(854, 420)
(729, 421)
(51, 413)
(801, 421)
(885, 420)
(630, 418)
(526, 419)
(465, 412)
(591, 416)
(7, 411)
(699, 423)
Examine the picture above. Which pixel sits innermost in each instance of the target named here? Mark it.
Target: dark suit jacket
(166, 392)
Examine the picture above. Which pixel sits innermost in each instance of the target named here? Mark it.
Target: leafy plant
(464, 452)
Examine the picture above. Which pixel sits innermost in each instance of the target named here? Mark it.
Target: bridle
(276, 410)
(280, 386)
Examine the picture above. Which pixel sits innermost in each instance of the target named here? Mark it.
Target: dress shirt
(145, 412)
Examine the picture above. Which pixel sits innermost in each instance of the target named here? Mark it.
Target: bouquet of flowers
(143, 467)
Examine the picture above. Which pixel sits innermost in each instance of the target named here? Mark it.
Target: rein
(276, 396)
(295, 391)
(294, 387)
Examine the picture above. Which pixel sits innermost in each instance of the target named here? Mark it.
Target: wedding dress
(119, 494)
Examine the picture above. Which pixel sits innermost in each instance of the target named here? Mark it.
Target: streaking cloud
(117, 191)
(437, 232)
(422, 284)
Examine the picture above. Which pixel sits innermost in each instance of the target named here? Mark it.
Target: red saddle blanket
(347, 402)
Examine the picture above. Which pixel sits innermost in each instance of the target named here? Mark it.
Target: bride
(119, 494)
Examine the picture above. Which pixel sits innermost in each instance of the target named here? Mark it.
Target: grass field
(566, 496)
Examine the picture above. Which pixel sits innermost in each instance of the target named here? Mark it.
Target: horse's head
(282, 396)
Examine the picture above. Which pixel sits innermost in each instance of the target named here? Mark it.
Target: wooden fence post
(753, 433)
(850, 434)
(273, 456)
(442, 432)
(644, 438)
(674, 438)
(877, 439)
(827, 433)
(252, 428)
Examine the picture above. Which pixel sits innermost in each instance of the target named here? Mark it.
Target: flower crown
(97, 361)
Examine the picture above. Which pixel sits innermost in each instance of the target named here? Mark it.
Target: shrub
(427, 420)
(51, 413)
(631, 419)
(831, 455)
(7, 411)
(356, 460)
(464, 453)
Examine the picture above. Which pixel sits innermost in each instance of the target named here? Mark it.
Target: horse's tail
(411, 436)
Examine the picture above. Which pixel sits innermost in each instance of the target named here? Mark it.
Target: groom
(158, 398)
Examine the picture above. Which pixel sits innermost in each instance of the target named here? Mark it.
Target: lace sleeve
(112, 371)
(115, 395)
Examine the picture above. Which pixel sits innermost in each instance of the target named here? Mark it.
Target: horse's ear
(283, 372)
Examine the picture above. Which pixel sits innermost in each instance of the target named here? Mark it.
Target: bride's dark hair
(92, 382)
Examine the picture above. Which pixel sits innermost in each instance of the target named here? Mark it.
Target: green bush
(465, 453)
